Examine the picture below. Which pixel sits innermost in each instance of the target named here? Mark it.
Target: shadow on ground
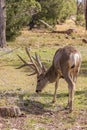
(32, 105)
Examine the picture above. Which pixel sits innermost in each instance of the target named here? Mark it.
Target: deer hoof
(70, 110)
(53, 101)
(67, 106)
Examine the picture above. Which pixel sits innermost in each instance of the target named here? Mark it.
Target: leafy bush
(18, 15)
(21, 12)
(80, 20)
(68, 8)
(56, 10)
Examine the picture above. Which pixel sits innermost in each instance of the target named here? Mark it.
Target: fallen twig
(45, 23)
(9, 52)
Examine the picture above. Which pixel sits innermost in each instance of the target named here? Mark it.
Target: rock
(12, 111)
(71, 30)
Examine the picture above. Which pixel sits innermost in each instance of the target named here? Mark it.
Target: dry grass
(16, 88)
(41, 38)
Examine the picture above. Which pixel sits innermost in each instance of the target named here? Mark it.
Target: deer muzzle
(38, 91)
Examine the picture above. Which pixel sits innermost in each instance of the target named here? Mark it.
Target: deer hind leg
(71, 96)
(56, 86)
(71, 88)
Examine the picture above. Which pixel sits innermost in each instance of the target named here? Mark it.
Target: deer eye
(38, 80)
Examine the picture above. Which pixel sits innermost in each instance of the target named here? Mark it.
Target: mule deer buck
(66, 64)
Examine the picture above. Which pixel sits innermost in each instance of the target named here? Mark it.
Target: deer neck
(51, 74)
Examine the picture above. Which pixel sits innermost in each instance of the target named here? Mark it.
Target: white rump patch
(74, 58)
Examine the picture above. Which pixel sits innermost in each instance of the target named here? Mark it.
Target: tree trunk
(77, 7)
(2, 24)
(86, 14)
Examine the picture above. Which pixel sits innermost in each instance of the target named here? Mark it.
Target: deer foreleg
(56, 86)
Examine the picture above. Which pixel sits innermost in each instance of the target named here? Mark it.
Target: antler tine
(32, 73)
(21, 66)
(38, 60)
(25, 63)
(35, 66)
(22, 59)
(43, 68)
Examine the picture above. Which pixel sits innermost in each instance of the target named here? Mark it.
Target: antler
(40, 64)
(35, 63)
(31, 64)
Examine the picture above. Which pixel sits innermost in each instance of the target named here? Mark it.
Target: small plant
(80, 20)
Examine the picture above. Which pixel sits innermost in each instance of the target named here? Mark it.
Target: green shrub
(18, 15)
(80, 20)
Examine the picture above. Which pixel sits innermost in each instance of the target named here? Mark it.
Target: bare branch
(49, 26)
(9, 51)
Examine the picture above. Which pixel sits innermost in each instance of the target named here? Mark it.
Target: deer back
(66, 58)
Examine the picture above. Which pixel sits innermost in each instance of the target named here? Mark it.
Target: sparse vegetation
(16, 88)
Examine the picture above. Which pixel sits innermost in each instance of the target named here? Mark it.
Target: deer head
(37, 66)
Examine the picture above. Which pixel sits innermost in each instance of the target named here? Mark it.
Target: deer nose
(38, 91)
